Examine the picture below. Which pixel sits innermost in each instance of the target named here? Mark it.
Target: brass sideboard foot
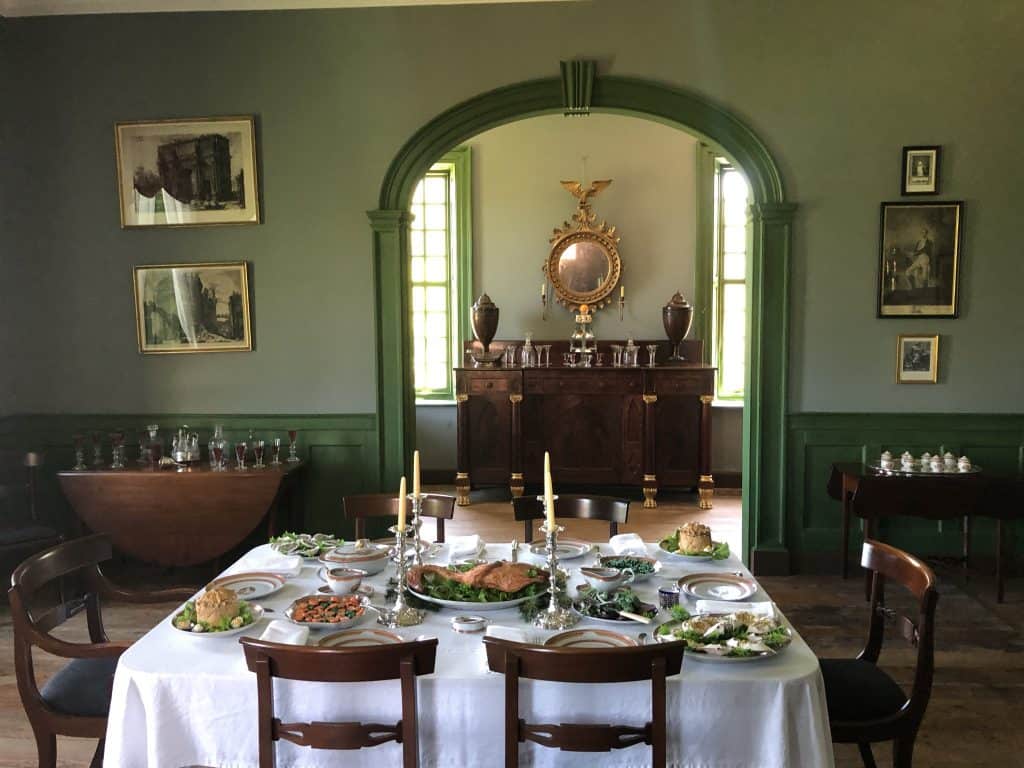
(516, 485)
(649, 494)
(706, 491)
(462, 489)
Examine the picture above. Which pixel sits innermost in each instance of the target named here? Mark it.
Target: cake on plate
(694, 538)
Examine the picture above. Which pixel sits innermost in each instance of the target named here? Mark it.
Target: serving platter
(699, 655)
(655, 564)
(342, 624)
(251, 585)
(257, 615)
(717, 586)
(567, 549)
(590, 638)
(465, 605)
(701, 558)
(359, 638)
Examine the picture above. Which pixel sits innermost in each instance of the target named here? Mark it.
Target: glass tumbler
(616, 355)
(510, 356)
(292, 455)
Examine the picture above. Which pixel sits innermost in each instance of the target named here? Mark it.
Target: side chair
(436, 505)
(616, 511)
(76, 700)
(402, 661)
(865, 705)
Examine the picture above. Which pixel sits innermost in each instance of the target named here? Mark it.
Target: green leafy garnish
(679, 613)
(720, 551)
(187, 620)
(639, 566)
(606, 606)
(437, 586)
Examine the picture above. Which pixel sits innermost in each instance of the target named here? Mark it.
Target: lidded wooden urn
(677, 317)
(484, 318)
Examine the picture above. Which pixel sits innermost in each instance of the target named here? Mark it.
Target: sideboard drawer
(682, 382)
(588, 382)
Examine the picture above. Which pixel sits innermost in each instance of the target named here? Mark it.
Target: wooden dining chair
(615, 511)
(865, 705)
(75, 701)
(436, 505)
(590, 665)
(23, 530)
(402, 661)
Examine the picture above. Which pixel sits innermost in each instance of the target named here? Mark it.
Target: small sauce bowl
(344, 581)
(606, 579)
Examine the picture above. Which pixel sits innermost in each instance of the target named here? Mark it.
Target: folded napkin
(763, 608)
(266, 559)
(627, 544)
(512, 634)
(279, 631)
(460, 547)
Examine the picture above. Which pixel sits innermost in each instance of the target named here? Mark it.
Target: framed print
(193, 308)
(919, 261)
(917, 359)
(920, 171)
(179, 173)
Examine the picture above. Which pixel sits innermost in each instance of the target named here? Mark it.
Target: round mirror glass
(583, 267)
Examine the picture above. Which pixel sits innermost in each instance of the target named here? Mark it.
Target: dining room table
(184, 699)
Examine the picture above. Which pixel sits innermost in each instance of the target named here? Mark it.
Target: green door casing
(764, 418)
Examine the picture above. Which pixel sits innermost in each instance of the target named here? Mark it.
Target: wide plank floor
(976, 705)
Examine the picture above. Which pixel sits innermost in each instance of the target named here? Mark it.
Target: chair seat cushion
(82, 687)
(21, 534)
(858, 690)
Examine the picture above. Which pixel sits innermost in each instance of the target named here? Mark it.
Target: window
(728, 331)
(440, 274)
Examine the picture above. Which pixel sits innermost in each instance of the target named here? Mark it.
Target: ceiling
(12, 8)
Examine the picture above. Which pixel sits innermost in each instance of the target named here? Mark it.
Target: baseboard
(447, 477)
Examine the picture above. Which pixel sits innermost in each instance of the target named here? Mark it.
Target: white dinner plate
(343, 624)
(717, 586)
(590, 638)
(462, 605)
(359, 638)
(251, 585)
(567, 549)
(257, 614)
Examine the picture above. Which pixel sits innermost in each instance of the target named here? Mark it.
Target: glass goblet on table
(275, 452)
(240, 455)
(257, 452)
(292, 455)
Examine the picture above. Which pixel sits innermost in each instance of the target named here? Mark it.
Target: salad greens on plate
(304, 544)
(732, 635)
(601, 605)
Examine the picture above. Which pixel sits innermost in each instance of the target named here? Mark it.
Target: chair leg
(866, 755)
(46, 745)
(903, 751)
(97, 756)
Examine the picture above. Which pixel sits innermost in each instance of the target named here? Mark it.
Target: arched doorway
(764, 449)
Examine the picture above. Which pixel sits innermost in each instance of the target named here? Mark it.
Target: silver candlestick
(416, 503)
(402, 614)
(556, 616)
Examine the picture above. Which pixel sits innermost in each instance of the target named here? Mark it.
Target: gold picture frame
(917, 358)
(187, 172)
(185, 308)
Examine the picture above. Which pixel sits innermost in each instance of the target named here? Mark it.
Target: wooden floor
(973, 718)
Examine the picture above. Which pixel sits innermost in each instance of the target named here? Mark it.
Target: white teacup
(607, 579)
(343, 581)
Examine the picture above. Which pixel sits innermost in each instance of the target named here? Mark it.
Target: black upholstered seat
(857, 690)
(82, 687)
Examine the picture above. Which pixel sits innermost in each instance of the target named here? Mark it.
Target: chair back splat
(439, 506)
(404, 662)
(617, 665)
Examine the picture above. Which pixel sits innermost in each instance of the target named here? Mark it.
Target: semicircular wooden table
(177, 517)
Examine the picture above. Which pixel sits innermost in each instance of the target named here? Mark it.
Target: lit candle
(416, 474)
(549, 494)
(543, 290)
(401, 505)
(622, 291)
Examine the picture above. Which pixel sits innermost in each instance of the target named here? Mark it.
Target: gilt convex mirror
(583, 265)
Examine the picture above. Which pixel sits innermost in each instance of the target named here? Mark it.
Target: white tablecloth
(181, 700)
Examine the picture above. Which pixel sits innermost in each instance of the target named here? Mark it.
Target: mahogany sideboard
(646, 427)
(178, 516)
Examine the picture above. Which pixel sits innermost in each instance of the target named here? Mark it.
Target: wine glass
(240, 455)
(292, 456)
(545, 351)
(97, 450)
(257, 451)
(79, 441)
(275, 452)
(652, 353)
(616, 355)
(116, 449)
(218, 456)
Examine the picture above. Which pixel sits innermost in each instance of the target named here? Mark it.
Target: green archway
(764, 445)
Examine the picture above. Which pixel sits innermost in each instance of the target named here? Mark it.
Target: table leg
(1000, 574)
(967, 542)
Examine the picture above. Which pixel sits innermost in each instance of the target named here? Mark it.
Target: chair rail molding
(764, 524)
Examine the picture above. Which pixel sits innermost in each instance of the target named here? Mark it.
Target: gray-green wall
(834, 89)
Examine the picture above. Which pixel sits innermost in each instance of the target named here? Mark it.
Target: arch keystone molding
(764, 417)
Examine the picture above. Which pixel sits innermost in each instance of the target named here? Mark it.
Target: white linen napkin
(462, 547)
(512, 634)
(279, 631)
(627, 544)
(266, 559)
(763, 608)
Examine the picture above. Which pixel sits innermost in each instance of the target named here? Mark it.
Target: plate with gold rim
(717, 586)
(567, 549)
(251, 585)
(360, 638)
(590, 638)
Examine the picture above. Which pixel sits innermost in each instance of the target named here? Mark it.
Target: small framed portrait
(193, 308)
(917, 359)
(920, 171)
(919, 259)
(181, 173)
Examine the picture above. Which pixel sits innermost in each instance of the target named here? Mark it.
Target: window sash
(729, 383)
